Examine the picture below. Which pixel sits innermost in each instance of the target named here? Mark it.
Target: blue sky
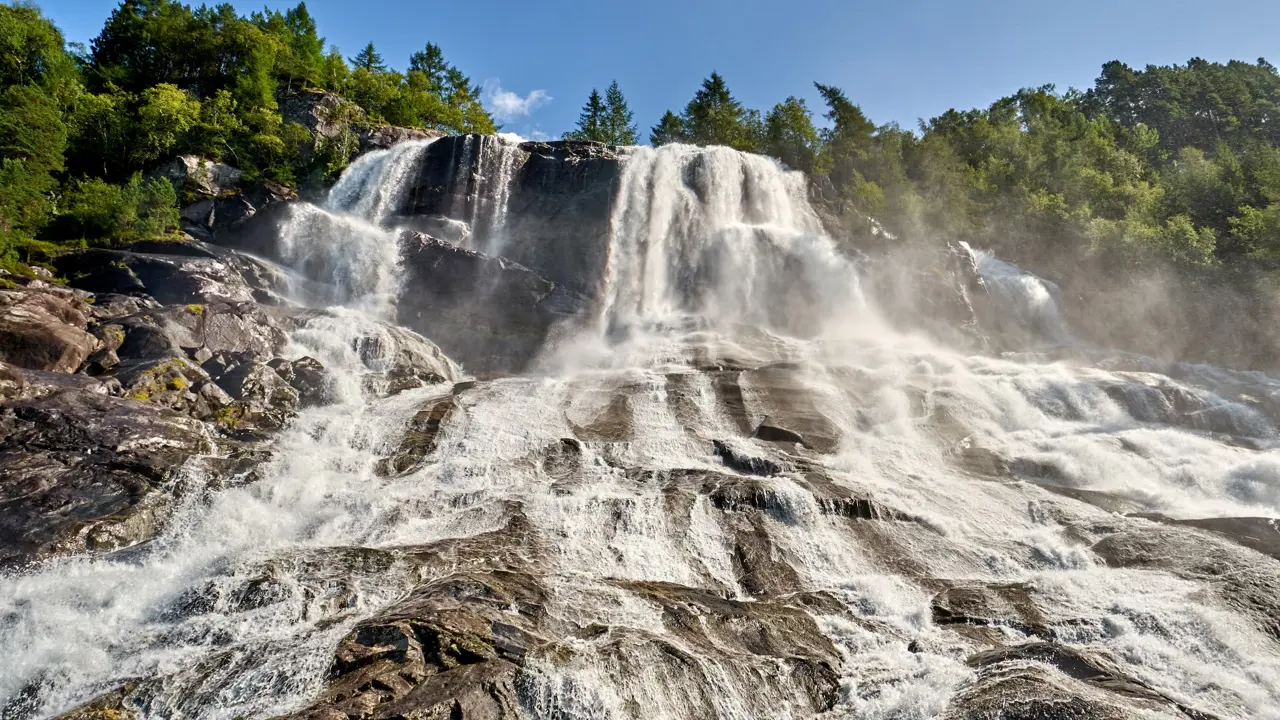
(900, 60)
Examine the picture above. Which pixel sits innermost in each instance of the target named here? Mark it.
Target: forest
(1174, 166)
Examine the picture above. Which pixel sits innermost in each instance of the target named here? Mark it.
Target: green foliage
(592, 121)
(670, 129)
(714, 117)
(790, 135)
(606, 119)
(101, 212)
(32, 141)
(620, 125)
(368, 60)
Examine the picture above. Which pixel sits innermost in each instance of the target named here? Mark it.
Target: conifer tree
(369, 59)
(714, 117)
(593, 122)
(670, 129)
(619, 121)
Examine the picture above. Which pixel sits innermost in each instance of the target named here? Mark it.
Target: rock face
(226, 213)
(381, 137)
(172, 273)
(81, 471)
(488, 313)
(559, 199)
(44, 329)
(194, 176)
(329, 118)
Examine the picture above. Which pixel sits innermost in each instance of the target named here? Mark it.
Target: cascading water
(678, 561)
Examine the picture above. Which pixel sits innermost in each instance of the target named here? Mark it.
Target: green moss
(230, 416)
(178, 383)
(196, 309)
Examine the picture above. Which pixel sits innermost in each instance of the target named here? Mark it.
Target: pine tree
(368, 59)
(593, 122)
(430, 62)
(714, 117)
(619, 121)
(670, 129)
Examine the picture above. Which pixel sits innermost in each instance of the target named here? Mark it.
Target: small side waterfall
(1027, 304)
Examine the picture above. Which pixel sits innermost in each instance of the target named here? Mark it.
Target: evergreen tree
(620, 121)
(430, 62)
(368, 60)
(714, 117)
(670, 129)
(790, 135)
(593, 123)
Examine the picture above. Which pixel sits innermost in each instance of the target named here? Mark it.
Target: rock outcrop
(559, 199)
(488, 313)
(44, 329)
(83, 471)
(194, 177)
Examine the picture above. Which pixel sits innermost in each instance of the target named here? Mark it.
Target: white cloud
(506, 105)
(536, 134)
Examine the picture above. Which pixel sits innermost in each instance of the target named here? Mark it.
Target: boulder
(420, 437)
(262, 399)
(174, 383)
(489, 313)
(215, 217)
(82, 471)
(44, 330)
(213, 329)
(308, 377)
(194, 176)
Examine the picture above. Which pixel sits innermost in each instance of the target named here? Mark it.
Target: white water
(714, 257)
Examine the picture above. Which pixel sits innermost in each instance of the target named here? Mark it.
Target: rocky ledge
(157, 369)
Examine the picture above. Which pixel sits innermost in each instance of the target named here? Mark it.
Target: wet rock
(420, 438)
(486, 312)
(83, 471)
(450, 650)
(786, 398)
(42, 331)
(561, 200)
(174, 383)
(402, 360)
(1244, 579)
(12, 383)
(769, 432)
(306, 375)
(184, 330)
(983, 605)
(262, 399)
(744, 463)
(1042, 680)
(563, 460)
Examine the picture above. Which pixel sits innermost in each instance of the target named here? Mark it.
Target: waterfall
(741, 494)
(724, 235)
(1026, 302)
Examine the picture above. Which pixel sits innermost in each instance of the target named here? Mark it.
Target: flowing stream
(724, 305)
